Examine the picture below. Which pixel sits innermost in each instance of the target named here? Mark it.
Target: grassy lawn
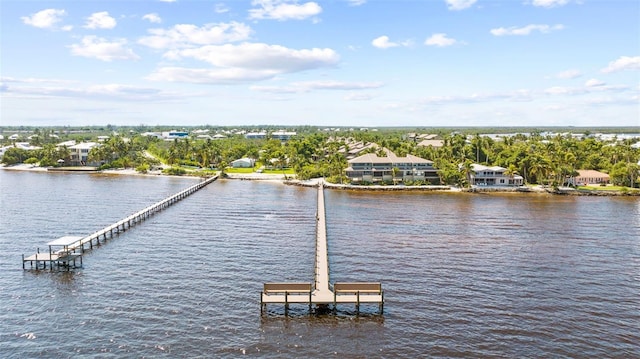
(239, 170)
(288, 171)
(605, 188)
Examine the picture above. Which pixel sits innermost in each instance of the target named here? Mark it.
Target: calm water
(464, 275)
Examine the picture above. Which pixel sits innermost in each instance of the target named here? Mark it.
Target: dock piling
(322, 293)
(72, 245)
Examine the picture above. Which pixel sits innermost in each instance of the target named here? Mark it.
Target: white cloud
(549, 3)
(383, 42)
(358, 97)
(46, 19)
(307, 86)
(153, 18)
(100, 20)
(459, 4)
(356, 2)
(594, 83)
(244, 62)
(440, 40)
(184, 35)
(106, 92)
(513, 96)
(283, 10)
(338, 85)
(209, 76)
(569, 74)
(101, 49)
(261, 56)
(623, 63)
(167, 0)
(559, 90)
(221, 8)
(525, 30)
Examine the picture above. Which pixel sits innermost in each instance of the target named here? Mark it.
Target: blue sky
(362, 63)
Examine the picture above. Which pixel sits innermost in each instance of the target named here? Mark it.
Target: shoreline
(286, 180)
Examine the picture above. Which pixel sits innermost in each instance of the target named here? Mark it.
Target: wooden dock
(321, 292)
(65, 252)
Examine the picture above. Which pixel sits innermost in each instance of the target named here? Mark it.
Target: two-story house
(494, 176)
(372, 168)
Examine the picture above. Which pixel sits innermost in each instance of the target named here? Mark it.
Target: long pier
(321, 292)
(66, 251)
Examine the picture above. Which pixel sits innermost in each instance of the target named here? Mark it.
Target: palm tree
(394, 173)
(467, 170)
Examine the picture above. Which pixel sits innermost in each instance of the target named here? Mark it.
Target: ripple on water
(464, 275)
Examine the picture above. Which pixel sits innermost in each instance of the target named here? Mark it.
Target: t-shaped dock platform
(321, 292)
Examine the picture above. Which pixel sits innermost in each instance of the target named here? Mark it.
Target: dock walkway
(321, 292)
(66, 251)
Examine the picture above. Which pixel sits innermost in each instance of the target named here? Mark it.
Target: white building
(243, 163)
(80, 153)
(371, 168)
(494, 176)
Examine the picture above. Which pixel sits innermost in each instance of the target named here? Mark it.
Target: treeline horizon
(547, 159)
(440, 130)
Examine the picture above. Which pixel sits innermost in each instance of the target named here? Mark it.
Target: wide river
(465, 275)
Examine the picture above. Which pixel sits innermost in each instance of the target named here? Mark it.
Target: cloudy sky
(326, 63)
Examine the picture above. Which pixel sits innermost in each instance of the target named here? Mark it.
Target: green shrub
(143, 168)
(174, 171)
(31, 160)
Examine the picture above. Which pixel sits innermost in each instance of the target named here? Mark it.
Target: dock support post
(286, 303)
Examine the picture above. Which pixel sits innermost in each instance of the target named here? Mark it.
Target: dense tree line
(548, 160)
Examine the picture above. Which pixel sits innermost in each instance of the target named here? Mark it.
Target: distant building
(171, 135)
(256, 135)
(151, 134)
(282, 135)
(371, 168)
(585, 177)
(494, 176)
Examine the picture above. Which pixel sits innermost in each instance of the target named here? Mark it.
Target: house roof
(432, 143)
(592, 174)
(477, 167)
(84, 145)
(390, 158)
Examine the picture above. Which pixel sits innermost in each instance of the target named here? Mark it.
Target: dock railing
(78, 245)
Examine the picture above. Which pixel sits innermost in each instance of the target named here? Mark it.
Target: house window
(501, 181)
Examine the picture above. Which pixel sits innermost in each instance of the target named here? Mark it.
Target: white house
(243, 163)
(80, 153)
(494, 176)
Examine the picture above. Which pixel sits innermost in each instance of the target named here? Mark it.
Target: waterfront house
(80, 153)
(494, 176)
(243, 163)
(372, 168)
(589, 177)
